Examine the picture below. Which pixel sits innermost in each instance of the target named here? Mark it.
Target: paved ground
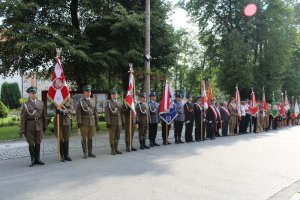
(254, 166)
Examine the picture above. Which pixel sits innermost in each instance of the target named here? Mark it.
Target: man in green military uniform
(114, 121)
(142, 119)
(64, 131)
(126, 113)
(87, 120)
(33, 123)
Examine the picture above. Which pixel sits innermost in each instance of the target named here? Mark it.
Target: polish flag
(129, 99)
(58, 92)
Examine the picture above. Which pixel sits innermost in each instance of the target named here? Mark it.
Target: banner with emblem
(167, 110)
(58, 92)
(295, 111)
(129, 99)
(209, 93)
(286, 102)
(282, 106)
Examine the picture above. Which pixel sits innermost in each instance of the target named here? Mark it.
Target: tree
(10, 95)
(261, 45)
(99, 39)
(3, 110)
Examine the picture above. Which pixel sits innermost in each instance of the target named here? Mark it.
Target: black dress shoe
(155, 144)
(169, 143)
(39, 162)
(181, 141)
(133, 149)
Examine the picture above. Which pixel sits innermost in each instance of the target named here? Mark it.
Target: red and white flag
(129, 99)
(264, 101)
(203, 95)
(238, 100)
(253, 106)
(209, 93)
(166, 100)
(286, 102)
(282, 108)
(58, 92)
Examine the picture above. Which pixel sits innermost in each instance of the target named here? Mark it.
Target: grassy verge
(12, 132)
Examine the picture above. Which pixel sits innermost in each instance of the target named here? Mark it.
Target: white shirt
(243, 110)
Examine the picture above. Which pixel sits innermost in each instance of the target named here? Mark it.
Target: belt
(34, 119)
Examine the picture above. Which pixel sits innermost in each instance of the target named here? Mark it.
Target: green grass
(9, 133)
(12, 132)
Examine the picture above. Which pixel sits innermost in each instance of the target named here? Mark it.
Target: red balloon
(250, 10)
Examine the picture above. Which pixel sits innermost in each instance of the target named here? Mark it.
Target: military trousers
(152, 131)
(114, 134)
(64, 133)
(142, 131)
(34, 137)
(87, 132)
(232, 125)
(178, 125)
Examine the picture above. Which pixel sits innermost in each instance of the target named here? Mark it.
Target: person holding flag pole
(167, 112)
(274, 113)
(59, 94)
(253, 110)
(129, 111)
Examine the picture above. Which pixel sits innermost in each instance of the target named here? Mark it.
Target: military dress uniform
(126, 113)
(87, 119)
(189, 121)
(142, 119)
(114, 121)
(179, 120)
(153, 120)
(198, 124)
(64, 131)
(33, 123)
(232, 120)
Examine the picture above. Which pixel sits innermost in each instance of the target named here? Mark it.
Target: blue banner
(170, 116)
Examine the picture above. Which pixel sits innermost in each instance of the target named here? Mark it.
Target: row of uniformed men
(117, 115)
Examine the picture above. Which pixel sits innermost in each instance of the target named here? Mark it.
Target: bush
(3, 110)
(10, 95)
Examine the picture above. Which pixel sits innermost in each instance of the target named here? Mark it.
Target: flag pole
(250, 112)
(201, 127)
(130, 129)
(237, 111)
(58, 51)
(58, 136)
(167, 133)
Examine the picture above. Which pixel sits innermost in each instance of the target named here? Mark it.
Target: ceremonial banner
(274, 109)
(282, 108)
(238, 100)
(58, 92)
(286, 102)
(203, 96)
(129, 99)
(167, 110)
(209, 93)
(253, 107)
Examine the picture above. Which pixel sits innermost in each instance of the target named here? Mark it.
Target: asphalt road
(254, 166)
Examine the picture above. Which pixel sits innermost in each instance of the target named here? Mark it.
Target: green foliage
(10, 95)
(98, 38)
(3, 110)
(249, 51)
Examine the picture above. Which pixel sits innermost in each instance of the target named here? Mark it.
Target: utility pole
(147, 50)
